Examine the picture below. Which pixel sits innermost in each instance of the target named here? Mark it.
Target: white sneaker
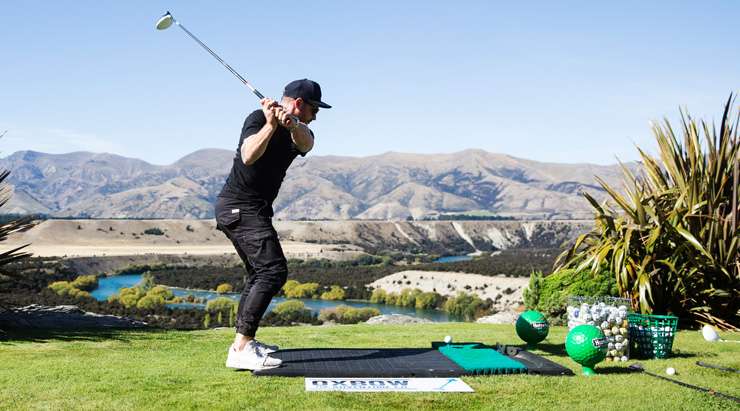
(266, 348)
(250, 358)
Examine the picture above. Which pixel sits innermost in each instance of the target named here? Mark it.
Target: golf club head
(709, 333)
(165, 21)
(636, 367)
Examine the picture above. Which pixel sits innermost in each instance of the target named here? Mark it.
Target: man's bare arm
(302, 138)
(254, 146)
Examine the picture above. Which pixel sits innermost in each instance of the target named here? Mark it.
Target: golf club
(167, 20)
(639, 368)
(717, 367)
(710, 334)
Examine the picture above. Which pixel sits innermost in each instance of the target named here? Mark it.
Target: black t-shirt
(253, 188)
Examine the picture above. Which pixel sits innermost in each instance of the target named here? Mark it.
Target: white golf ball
(624, 358)
(610, 346)
(670, 371)
(618, 338)
(618, 346)
(710, 334)
(448, 339)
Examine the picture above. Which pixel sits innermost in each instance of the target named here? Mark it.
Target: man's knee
(272, 281)
(278, 281)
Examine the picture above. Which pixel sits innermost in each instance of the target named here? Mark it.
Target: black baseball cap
(308, 90)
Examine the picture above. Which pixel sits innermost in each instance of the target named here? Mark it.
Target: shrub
(672, 242)
(160, 291)
(292, 311)
(61, 287)
(85, 282)
(129, 297)
(220, 305)
(428, 300)
(307, 290)
(379, 296)
(289, 286)
(154, 231)
(224, 288)
(408, 297)
(391, 299)
(150, 302)
(348, 315)
(147, 281)
(463, 305)
(549, 295)
(336, 293)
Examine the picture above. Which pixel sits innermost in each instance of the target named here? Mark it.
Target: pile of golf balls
(609, 319)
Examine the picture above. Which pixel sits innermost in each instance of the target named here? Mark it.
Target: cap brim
(319, 104)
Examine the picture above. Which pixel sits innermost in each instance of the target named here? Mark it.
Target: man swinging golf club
(270, 139)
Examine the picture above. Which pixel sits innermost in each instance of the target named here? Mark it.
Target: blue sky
(572, 81)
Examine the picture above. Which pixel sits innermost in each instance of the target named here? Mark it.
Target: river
(108, 286)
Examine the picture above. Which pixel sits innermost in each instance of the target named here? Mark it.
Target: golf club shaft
(694, 387)
(220, 60)
(717, 367)
(163, 24)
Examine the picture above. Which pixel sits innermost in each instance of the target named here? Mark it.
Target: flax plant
(671, 239)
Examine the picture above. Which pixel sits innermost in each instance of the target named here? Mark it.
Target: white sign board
(387, 384)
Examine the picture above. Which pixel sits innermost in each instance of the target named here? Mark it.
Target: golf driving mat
(442, 360)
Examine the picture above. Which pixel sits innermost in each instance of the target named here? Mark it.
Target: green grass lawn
(185, 370)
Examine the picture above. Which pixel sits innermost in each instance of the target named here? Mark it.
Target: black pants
(256, 242)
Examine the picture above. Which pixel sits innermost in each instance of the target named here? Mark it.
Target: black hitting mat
(536, 364)
(363, 363)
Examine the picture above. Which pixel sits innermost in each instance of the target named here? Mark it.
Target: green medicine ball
(532, 327)
(586, 345)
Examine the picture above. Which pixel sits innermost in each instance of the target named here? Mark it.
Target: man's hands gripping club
(299, 131)
(276, 115)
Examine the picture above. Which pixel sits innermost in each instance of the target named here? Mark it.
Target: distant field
(184, 370)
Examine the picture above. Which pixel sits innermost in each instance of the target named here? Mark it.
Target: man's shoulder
(254, 121)
(256, 116)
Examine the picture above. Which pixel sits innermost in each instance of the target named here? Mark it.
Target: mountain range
(388, 186)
